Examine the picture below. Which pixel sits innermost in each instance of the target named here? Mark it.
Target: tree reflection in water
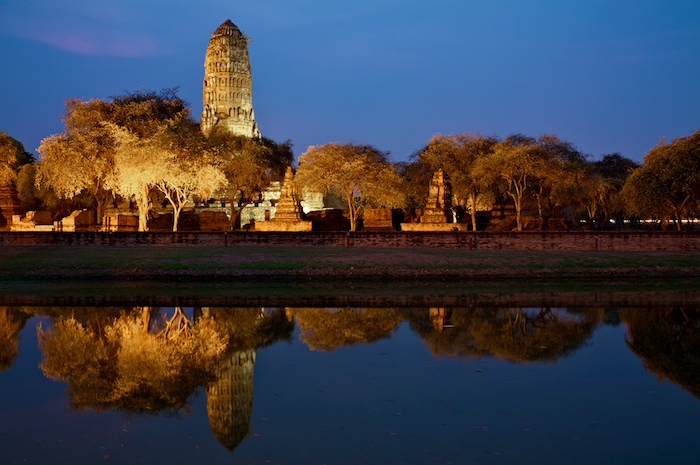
(326, 329)
(137, 362)
(141, 361)
(668, 342)
(515, 334)
(11, 322)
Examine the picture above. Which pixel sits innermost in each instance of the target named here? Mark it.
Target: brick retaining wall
(529, 240)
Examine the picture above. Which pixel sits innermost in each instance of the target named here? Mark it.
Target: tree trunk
(516, 190)
(351, 209)
(101, 199)
(176, 216)
(592, 209)
(677, 218)
(540, 209)
(518, 217)
(517, 197)
(472, 199)
(678, 212)
(142, 202)
(353, 217)
(605, 218)
(177, 203)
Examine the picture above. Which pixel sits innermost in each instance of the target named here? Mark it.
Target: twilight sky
(606, 75)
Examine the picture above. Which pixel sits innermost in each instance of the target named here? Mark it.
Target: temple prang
(437, 214)
(227, 90)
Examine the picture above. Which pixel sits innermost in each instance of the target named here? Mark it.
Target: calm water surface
(349, 386)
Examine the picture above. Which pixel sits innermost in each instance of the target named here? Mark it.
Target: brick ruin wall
(520, 241)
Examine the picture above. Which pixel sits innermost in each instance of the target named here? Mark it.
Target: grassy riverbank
(321, 262)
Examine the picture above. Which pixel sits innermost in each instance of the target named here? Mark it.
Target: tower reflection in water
(230, 395)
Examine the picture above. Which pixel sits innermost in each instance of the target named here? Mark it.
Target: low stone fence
(529, 240)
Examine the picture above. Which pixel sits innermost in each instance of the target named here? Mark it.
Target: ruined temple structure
(288, 212)
(227, 90)
(437, 214)
(438, 208)
(10, 205)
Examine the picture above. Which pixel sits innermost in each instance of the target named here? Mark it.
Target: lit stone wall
(530, 240)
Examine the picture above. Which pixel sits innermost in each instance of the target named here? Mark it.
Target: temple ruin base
(434, 227)
(282, 226)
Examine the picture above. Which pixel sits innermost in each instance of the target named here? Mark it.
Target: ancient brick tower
(227, 90)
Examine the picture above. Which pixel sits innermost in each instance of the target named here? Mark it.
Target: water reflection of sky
(389, 401)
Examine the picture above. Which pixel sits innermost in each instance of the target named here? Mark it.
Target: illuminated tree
(139, 164)
(515, 164)
(416, 175)
(592, 192)
(457, 155)
(187, 178)
(614, 169)
(82, 157)
(27, 190)
(191, 172)
(249, 165)
(558, 172)
(75, 163)
(8, 159)
(142, 164)
(359, 174)
(667, 185)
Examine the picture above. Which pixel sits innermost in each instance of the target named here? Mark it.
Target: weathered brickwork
(10, 205)
(227, 86)
(534, 241)
(288, 212)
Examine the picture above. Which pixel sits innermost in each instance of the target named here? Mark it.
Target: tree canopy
(12, 157)
(360, 174)
(145, 147)
(514, 165)
(667, 185)
(248, 165)
(82, 158)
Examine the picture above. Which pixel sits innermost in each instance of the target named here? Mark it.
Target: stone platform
(463, 227)
(284, 226)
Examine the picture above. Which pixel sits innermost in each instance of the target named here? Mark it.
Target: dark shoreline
(538, 293)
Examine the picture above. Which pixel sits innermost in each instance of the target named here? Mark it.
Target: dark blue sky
(607, 75)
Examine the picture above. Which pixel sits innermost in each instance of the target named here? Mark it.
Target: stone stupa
(437, 214)
(288, 212)
(227, 87)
